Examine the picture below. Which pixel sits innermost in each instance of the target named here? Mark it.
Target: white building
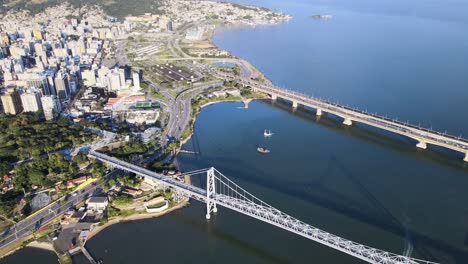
(51, 106)
(113, 81)
(61, 85)
(97, 204)
(39, 50)
(136, 81)
(122, 76)
(31, 101)
(89, 77)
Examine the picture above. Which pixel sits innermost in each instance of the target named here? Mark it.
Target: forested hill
(115, 8)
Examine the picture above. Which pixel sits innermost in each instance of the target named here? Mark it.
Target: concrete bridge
(423, 136)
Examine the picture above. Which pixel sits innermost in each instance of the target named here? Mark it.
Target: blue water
(404, 59)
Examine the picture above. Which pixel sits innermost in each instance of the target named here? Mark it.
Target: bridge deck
(422, 135)
(232, 196)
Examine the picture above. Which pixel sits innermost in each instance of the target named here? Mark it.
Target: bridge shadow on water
(242, 244)
(376, 136)
(378, 216)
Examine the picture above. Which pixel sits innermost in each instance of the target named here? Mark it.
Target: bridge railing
(404, 127)
(232, 196)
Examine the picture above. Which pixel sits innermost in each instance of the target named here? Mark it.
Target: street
(26, 227)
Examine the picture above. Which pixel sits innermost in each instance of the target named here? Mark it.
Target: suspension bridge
(224, 192)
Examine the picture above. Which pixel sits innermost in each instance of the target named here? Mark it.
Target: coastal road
(246, 71)
(181, 110)
(27, 226)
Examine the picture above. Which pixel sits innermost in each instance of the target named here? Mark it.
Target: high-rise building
(61, 85)
(122, 76)
(18, 68)
(7, 76)
(16, 51)
(39, 49)
(39, 83)
(11, 102)
(50, 106)
(31, 101)
(136, 81)
(51, 84)
(4, 39)
(38, 34)
(102, 80)
(170, 26)
(113, 81)
(89, 77)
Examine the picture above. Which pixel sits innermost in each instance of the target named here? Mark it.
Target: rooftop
(96, 199)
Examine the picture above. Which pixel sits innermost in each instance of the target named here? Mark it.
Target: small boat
(267, 133)
(263, 150)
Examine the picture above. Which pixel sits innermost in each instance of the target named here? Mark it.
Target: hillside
(115, 8)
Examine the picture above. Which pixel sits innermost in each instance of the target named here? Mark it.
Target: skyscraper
(113, 81)
(39, 83)
(39, 50)
(122, 76)
(89, 77)
(31, 101)
(61, 85)
(136, 81)
(51, 106)
(12, 102)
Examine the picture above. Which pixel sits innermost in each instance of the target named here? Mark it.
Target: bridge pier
(318, 112)
(210, 191)
(466, 157)
(274, 97)
(347, 121)
(422, 145)
(294, 105)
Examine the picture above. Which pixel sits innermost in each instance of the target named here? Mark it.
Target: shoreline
(41, 245)
(135, 217)
(194, 119)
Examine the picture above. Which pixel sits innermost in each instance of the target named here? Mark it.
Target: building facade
(11, 102)
(31, 101)
(51, 106)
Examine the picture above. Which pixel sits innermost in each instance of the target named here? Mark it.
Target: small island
(322, 16)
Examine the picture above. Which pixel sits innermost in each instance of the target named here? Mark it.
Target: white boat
(267, 133)
(263, 150)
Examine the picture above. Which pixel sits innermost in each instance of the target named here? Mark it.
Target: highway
(181, 110)
(247, 75)
(422, 135)
(26, 227)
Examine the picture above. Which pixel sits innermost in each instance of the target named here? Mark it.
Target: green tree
(4, 167)
(98, 170)
(122, 200)
(21, 179)
(111, 182)
(37, 177)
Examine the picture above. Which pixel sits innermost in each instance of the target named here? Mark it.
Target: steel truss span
(224, 192)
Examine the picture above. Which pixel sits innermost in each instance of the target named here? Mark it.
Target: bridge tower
(210, 192)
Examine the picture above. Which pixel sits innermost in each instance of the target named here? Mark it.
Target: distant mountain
(115, 8)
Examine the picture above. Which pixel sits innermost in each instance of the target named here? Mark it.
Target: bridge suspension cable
(222, 191)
